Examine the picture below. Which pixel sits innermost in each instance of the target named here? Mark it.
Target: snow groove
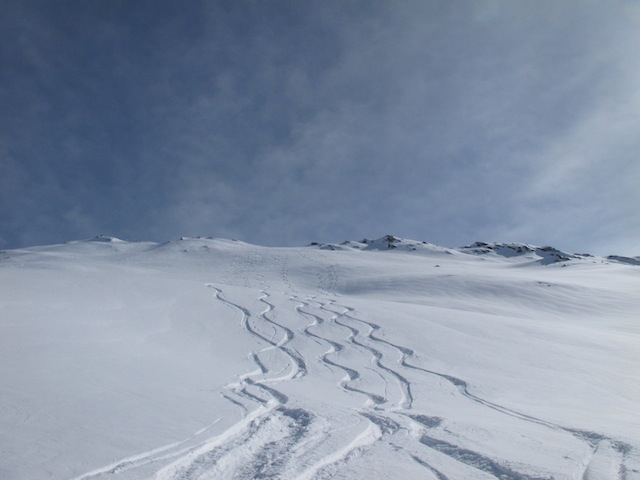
(594, 440)
(257, 445)
(371, 341)
(407, 397)
(335, 348)
(438, 474)
(145, 458)
(300, 369)
(386, 426)
(477, 460)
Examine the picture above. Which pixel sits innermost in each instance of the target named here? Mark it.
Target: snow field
(210, 359)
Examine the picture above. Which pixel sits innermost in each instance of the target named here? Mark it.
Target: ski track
(274, 439)
(594, 440)
(616, 452)
(257, 446)
(155, 455)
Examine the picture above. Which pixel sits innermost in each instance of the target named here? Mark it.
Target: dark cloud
(286, 122)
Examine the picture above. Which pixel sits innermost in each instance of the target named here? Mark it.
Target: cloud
(413, 125)
(290, 122)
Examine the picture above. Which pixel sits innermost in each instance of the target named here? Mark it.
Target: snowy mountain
(208, 358)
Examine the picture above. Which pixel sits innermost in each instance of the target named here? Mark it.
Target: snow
(208, 358)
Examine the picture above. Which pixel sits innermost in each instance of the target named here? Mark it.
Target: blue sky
(286, 122)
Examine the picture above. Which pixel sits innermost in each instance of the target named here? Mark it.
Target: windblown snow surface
(217, 359)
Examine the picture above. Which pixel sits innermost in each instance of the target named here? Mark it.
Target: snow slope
(387, 358)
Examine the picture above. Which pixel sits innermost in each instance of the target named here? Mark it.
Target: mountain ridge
(509, 251)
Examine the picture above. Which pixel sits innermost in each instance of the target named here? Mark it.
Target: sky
(286, 122)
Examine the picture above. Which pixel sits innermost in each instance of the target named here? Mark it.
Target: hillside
(209, 358)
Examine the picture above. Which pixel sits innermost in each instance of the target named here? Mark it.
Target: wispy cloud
(284, 123)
